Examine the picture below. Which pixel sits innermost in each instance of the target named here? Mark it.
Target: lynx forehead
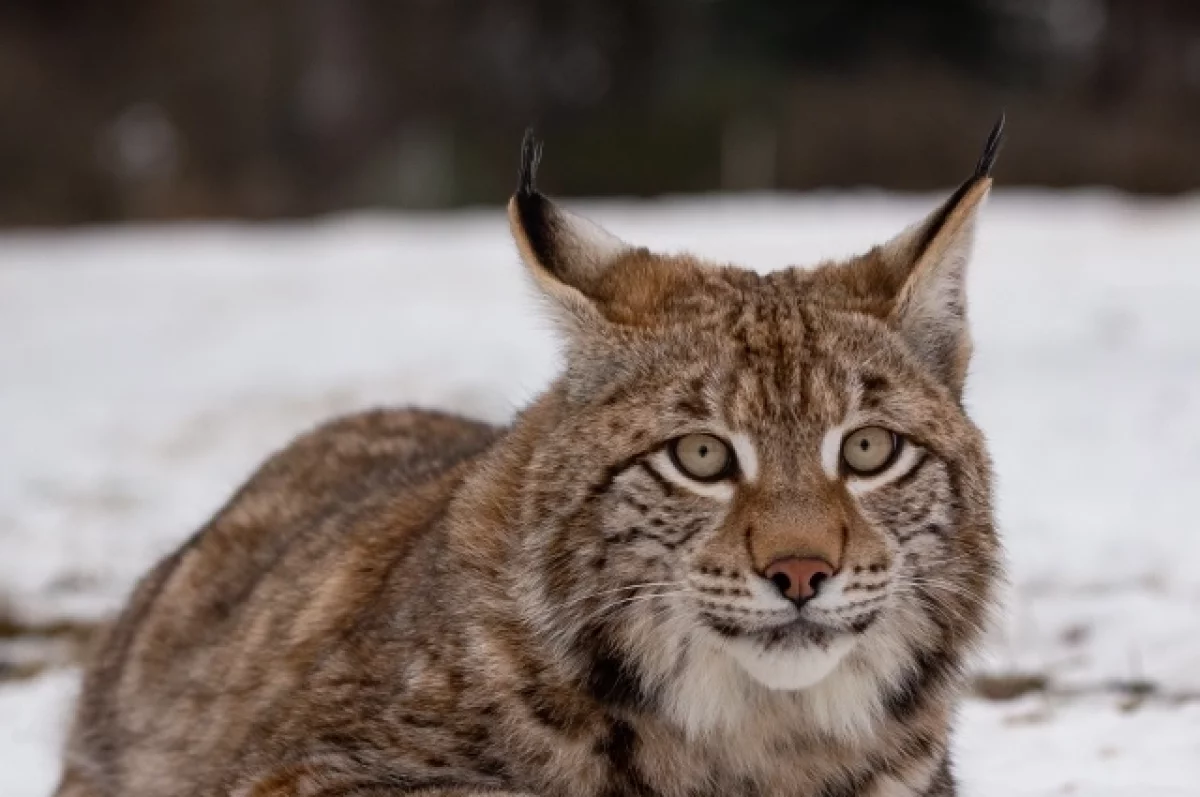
(741, 546)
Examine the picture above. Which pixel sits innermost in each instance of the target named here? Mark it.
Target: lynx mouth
(801, 632)
(796, 654)
(795, 632)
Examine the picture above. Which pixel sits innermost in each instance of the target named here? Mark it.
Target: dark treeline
(132, 109)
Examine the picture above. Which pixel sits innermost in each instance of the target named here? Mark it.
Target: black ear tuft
(531, 156)
(566, 253)
(534, 213)
(990, 150)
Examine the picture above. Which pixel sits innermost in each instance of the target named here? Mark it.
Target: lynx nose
(798, 579)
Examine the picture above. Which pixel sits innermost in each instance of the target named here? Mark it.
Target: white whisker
(626, 588)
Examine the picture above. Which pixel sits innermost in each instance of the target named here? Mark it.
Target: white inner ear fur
(930, 310)
(579, 250)
(942, 287)
(586, 247)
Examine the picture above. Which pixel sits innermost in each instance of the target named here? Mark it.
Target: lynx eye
(869, 450)
(702, 457)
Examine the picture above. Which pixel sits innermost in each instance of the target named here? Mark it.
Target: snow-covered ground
(144, 373)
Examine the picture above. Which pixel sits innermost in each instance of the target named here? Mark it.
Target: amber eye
(702, 457)
(869, 450)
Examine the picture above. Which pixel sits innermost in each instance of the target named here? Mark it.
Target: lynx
(740, 547)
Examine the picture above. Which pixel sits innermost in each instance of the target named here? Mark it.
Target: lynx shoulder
(741, 546)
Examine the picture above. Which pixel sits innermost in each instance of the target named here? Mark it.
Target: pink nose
(798, 579)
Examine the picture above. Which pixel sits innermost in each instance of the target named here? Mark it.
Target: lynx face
(765, 495)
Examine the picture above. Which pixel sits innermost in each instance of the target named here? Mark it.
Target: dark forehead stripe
(874, 383)
(769, 323)
(691, 401)
(774, 348)
(804, 363)
(875, 387)
(691, 406)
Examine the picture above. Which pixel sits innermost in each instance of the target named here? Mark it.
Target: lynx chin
(741, 546)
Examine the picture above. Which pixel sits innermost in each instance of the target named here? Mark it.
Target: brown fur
(404, 602)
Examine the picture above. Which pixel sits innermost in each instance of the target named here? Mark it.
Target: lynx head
(761, 498)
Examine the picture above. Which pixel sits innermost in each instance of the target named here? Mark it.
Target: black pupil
(704, 451)
(865, 444)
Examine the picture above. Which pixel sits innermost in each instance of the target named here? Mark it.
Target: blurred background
(120, 110)
(332, 173)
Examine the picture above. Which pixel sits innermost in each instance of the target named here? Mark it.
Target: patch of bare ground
(27, 648)
(1132, 694)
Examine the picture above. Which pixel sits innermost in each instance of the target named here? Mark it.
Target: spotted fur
(404, 602)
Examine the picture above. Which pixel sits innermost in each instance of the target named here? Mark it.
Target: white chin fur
(741, 690)
(790, 669)
(734, 687)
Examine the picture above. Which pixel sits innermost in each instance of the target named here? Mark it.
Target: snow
(144, 372)
(1090, 747)
(33, 717)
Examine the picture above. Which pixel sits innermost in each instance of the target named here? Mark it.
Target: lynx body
(740, 547)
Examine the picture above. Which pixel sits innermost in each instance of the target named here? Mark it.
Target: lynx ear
(565, 253)
(927, 265)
